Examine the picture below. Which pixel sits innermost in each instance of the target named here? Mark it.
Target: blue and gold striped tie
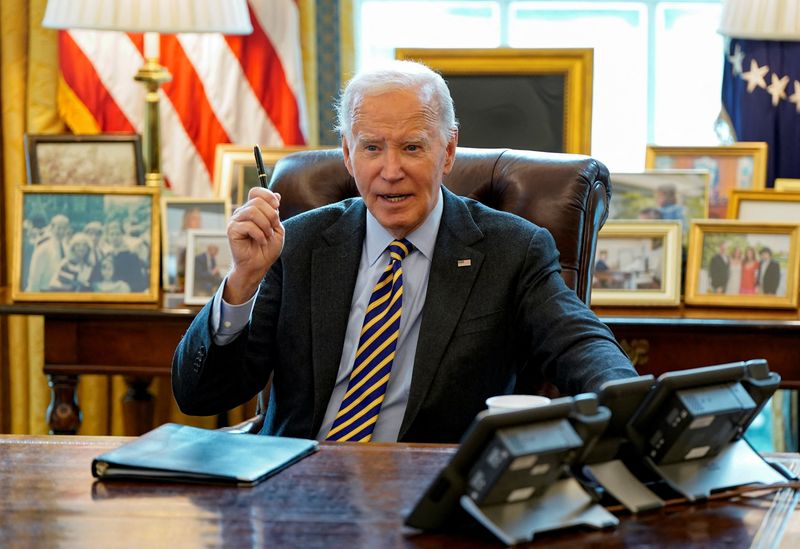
(375, 354)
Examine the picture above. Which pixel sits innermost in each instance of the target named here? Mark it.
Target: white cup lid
(515, 402)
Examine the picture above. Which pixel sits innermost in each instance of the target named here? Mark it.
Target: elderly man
(395, 315)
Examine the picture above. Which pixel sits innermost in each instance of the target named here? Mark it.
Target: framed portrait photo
(660, 195)
(66, 159)
(742, 264)
(179, 215)
(534, 99)
(86, 243)
(235, 169)
(208, 260)
(638, 263)
(738, 166)
(767, 205)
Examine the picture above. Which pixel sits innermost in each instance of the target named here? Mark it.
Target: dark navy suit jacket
(481, 324)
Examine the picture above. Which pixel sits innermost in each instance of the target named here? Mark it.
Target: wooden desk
(138, 341)
(345, 495)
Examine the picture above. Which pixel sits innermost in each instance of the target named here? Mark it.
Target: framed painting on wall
(533, 99)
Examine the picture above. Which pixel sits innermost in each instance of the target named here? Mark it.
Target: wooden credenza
(138, 341)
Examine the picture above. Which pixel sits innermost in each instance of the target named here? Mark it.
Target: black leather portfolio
(188, 454)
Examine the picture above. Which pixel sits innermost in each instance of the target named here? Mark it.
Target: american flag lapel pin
(464, 262)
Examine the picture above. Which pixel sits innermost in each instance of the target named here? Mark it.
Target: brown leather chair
(566, 194)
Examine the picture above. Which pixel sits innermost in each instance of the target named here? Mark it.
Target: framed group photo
(66, 159)
(532, 99)
(86, 243)
(208, 260)
(235, 169)
(737, 166)
(743, 264)
(179, 215)
(638, 263)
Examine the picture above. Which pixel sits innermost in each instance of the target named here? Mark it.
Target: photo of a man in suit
(470, 296)
(769, 272)
(719, 269)
(206, 271)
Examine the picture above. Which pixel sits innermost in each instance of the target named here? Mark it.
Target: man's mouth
(395, 197)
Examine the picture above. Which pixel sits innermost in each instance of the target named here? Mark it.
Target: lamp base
(152, 75)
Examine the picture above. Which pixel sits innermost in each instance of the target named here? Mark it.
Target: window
(657, 64)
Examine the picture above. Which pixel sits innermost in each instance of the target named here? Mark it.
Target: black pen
(262, 172)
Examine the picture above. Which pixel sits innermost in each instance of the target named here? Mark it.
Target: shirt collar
(423, 237)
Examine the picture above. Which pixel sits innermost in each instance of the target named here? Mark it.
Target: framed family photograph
(534, 99)
(638, 263)
(235, 169)
(179, 215)
(738, 166)
(86, 243)
(743, 264)
(66, 159)
(660, 195)
(768, 205)
(208, 260)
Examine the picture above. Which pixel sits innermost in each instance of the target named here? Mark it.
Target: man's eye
(412, 148)
(371, 148)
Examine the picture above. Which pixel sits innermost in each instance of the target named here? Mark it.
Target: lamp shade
(761, 19)
(162, 16)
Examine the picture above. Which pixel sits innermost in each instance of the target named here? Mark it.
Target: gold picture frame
(178, 216)
(86, 243)
(786, 184)
(724, 267)
(101, 159)
(638, 263)
(235, 169)
(766, 205)
(534, 99)
(737, 166)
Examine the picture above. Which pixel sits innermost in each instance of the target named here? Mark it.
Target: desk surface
(345, 495)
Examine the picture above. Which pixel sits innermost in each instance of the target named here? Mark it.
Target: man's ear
(346, 152)
(451, 152)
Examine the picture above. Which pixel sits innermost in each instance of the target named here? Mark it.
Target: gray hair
(397, 76)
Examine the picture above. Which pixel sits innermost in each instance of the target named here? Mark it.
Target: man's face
(397, 158)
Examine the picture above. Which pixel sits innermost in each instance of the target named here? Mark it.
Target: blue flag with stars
(761, 95)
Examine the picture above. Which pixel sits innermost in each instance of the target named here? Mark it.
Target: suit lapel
(449, 287)
(334, 269)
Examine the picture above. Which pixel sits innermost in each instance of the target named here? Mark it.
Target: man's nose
(392, 165)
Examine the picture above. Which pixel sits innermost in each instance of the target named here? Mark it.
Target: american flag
(224, 89)
(761, 96)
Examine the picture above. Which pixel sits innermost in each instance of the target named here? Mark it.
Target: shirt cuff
(228, 321)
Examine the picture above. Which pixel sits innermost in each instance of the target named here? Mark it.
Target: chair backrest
(566, 194)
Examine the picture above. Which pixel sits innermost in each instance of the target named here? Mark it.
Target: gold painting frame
(234, 169)
(766, 205)
(83, 206)
(737, 166)
(575, 65)
(716, 237)
(668, 276)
